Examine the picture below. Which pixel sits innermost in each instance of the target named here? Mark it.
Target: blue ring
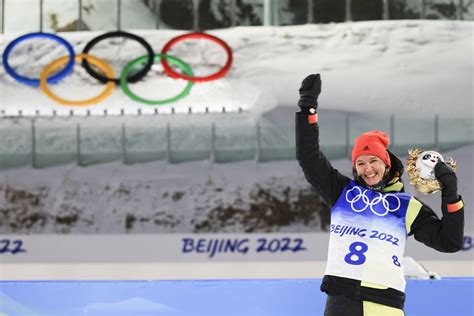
(36, 82)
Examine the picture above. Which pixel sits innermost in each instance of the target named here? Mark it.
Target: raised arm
(316, 167)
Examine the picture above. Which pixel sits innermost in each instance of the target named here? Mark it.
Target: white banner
(188, 248)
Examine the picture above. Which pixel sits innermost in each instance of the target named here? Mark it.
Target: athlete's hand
(449, 181)
(309, 92)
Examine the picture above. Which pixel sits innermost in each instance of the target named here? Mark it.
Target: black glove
(309, 92)
(446, 176)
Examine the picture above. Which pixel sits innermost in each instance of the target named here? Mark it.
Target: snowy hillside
(419, 67)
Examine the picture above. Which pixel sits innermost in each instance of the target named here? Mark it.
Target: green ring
(136, 62)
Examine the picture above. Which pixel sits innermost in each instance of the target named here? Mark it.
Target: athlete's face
(370, 168)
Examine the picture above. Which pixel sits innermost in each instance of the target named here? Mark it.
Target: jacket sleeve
(445, 234)
(316, 167)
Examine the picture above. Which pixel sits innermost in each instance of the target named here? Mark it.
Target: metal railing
(232, 13)
(221, 138)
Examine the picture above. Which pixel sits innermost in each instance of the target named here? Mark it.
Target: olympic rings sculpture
(214, 39)
(57, 64)
(158, 57)
(133, 72)
(104, 79)
(31, 81)
(368, 203)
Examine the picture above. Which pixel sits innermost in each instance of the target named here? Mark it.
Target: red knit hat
(372, 143)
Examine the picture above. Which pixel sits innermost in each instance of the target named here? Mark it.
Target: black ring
(133, 78)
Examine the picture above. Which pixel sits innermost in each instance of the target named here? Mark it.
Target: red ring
(221, 73)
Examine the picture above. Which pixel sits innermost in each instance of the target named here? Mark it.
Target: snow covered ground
(410, 67)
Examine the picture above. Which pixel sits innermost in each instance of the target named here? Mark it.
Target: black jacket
(445, 234)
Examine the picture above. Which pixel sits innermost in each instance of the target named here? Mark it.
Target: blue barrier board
(449, 296)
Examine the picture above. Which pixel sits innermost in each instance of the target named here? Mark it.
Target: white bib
(367, 236)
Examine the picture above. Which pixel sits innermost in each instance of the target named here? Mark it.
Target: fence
(82, 15)
(43, 142)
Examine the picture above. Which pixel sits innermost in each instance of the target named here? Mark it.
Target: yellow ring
(56, 64)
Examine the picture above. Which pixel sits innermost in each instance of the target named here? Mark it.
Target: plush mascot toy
(420, 169)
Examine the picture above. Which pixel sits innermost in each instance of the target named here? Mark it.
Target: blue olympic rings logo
(380, 199)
